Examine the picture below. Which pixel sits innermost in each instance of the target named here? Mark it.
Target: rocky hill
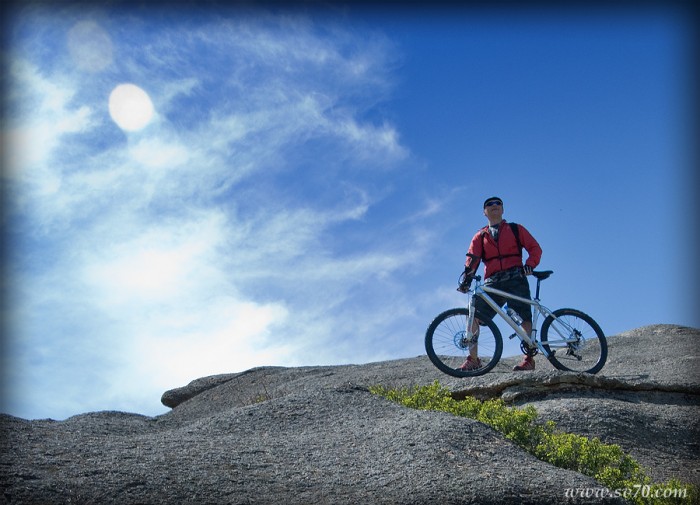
(316, 435)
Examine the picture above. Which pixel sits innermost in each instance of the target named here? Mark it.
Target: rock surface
(315, 434)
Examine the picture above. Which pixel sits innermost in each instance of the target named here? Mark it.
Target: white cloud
(41, 115)
(373, 141)
(160, 263)
(226, 335)
(155, 153)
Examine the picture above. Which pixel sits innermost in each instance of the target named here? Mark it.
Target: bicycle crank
(530, 351)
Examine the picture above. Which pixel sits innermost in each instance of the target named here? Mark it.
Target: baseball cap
(493, 198)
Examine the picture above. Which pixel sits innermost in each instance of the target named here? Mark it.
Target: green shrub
(607, 463)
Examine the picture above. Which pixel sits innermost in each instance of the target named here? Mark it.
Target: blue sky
(299, 187)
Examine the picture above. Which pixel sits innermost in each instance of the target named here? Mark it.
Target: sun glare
(130, 107)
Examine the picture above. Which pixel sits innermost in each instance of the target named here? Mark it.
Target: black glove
(527, 270)
(465, 280)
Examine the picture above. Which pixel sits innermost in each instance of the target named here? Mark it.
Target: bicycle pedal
(513, 336)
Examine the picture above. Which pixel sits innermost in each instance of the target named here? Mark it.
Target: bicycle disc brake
(463, 342)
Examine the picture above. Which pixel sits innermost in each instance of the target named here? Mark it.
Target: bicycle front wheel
(574, 341)
(448, 345)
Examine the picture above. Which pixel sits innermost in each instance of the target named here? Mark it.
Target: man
(501, 251)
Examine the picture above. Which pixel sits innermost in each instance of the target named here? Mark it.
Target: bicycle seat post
(540, 276)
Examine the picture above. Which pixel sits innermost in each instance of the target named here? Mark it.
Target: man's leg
(473, 352)
(472, 362)
(484, 310)
(528, 362)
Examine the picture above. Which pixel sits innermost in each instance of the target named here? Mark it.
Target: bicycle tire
(444, 343)
(590, 352)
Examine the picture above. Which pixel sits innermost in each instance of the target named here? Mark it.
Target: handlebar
(464, 285)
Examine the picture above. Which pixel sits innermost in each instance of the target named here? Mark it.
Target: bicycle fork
(471, 337)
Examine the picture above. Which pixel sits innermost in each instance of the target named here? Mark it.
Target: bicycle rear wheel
(575, 341)
(447, 344)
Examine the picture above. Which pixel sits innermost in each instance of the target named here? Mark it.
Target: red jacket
(504, 254)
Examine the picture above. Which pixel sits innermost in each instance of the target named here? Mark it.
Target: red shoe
(471, 364)
(528, 363)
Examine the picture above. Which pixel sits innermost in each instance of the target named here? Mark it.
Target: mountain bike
(569, 339)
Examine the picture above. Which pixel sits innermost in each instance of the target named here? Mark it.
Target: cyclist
(499, 245)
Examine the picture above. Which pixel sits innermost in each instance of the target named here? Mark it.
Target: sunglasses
(493, 202)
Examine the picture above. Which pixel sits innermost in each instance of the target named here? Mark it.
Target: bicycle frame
(482, 291)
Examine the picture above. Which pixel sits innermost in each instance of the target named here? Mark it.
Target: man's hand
(527, 269)
(465, 280)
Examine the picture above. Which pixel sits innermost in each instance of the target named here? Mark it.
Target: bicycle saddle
(542, 275)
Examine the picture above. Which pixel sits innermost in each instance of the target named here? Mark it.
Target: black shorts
(518, 286)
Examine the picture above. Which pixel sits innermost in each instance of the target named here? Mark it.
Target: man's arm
(471, 263)
(474, 255)
(534, 251)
